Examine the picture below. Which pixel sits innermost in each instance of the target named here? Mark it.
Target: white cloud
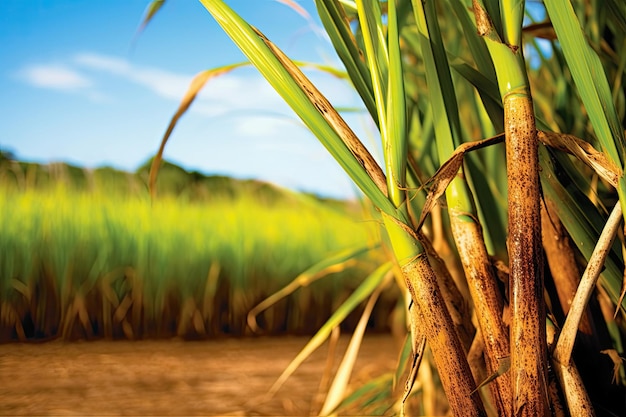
(223, 94)
(259, 125)
(249, 130)
(163, 83)
(241, 89)
(242, 97)
(234, 90)
(102, 62)
(54, 76)
(233, 93)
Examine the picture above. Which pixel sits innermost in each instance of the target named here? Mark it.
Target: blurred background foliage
(86, 254)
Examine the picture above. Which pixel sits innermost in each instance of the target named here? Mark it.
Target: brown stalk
(437, 326)
(586, 287)
(456, 304)
(528, 317)
(562, 262)
(529, 364)
(448, 255)
(578, 401)
(576, 395)
(488, 305)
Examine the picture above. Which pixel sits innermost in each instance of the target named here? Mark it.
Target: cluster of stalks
(446, 83)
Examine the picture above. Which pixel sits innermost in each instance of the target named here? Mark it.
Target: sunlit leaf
(310, 105)
(151, 11)
(590, 79)
(195, 87)
(367, 287)
(334, 263)
(342, 377)
(337, 27)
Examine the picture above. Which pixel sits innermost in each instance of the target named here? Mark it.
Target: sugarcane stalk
(528, 338)
(465, 227)
(488, 303)
(527, 333)
(436, 322)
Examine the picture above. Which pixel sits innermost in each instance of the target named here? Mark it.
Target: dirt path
(224, 377)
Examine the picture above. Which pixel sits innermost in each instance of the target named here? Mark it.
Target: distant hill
(172, 180)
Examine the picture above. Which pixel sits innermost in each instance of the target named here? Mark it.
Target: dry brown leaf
(582, 150)
(446, 173)
(151, 10)
(503, 365)
(195, 86)
(439, 182)
(617, 360)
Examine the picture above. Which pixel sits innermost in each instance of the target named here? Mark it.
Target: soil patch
(220, 377)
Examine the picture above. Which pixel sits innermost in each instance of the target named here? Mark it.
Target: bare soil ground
(221, 377)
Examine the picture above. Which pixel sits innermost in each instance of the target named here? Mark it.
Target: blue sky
(74, 90)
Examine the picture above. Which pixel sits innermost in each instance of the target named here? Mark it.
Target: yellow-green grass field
(88, 263)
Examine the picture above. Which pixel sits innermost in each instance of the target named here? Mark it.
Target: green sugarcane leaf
(395, 130)
(440, 87)
(617, 13)
(368, 395)
(443, 100)
(336, 24)
(476, 43)
(487, 89)
(376, 55)
(590, 79)
(512, 13)
(484, 75)
(308, 103)
(492, 9)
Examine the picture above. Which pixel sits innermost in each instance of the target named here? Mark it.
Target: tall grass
(85, 264)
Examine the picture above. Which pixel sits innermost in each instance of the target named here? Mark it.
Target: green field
(87, 254)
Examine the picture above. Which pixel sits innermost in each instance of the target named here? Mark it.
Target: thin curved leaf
(151, 11)
(334, 263)
(591, 82)
(335, 21)
(198, 82)
(342, 377)
(196, 85)
(308, 103)
(367, 287)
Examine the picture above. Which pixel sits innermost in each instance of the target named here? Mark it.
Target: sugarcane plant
(502, 154)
